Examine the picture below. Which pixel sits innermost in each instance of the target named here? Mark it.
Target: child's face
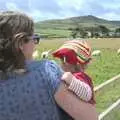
(66, 67)
(73, 68)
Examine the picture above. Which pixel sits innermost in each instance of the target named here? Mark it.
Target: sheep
(96, 53)
(35, 54)
(45, 54)
(118, 51)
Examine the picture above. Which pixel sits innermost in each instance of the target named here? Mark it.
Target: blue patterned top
(31, 96)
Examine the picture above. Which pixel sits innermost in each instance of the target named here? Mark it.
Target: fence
(113, 110)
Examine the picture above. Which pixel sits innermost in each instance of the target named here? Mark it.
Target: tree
(117, 32)
(74, 34)
(83, 33)
(104, 30)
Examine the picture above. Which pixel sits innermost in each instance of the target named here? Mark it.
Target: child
(75, 56)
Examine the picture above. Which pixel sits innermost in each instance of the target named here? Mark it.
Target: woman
(32, 90)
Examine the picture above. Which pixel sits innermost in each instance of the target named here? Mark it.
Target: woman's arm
(75, 107)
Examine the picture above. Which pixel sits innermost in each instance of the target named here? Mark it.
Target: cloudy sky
(55, 9)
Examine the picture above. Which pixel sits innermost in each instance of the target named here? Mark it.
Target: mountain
(60, 27)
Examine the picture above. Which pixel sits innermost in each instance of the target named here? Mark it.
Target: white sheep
(35, 54)
(45, 54)
(96, 53)
(118, 51)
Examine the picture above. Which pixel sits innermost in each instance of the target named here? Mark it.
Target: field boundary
(101, 86)
(108, 110)
(114, 105)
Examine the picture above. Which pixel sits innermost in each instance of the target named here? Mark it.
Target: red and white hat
(75, 51)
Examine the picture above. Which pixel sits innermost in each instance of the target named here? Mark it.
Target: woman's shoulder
(48, 70)
(34, 65)
(43, 66)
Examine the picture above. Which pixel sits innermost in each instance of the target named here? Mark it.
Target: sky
(41, 10)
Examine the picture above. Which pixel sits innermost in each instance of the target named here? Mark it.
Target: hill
(60, 27)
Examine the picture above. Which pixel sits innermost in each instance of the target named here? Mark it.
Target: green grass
(105, 66)
(107, 96)
(114, 115)
(54, 33)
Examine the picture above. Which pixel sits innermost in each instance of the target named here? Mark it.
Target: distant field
(105, 43)
(54, 33)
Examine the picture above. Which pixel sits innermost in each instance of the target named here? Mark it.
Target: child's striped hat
(75, 51)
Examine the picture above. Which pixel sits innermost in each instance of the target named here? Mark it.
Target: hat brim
(69, 54)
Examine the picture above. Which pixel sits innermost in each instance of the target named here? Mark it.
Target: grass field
(101, 68)
(105, 97)
(114, 114)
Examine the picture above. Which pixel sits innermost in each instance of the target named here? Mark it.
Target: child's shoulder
(83, 77)
(81, 74)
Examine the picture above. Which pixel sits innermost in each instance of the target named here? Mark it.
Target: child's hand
(67, 77)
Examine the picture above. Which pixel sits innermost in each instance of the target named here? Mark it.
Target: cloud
(40, 16)
(45, 6)
(2, 5)
(110, 16)
(55, 9)
(12, 6)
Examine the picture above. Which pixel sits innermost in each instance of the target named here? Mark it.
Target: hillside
(60, 27)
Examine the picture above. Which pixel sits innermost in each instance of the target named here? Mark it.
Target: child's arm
(81, 89)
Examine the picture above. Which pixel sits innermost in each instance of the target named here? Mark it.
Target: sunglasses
(36, 38)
